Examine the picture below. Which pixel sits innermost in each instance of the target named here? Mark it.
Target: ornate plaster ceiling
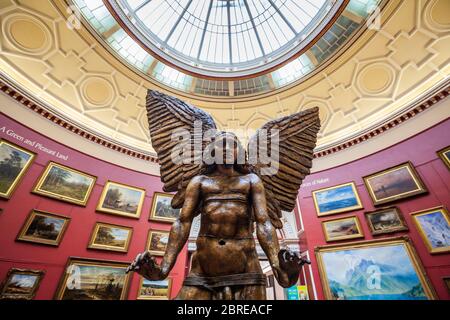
(377, 77)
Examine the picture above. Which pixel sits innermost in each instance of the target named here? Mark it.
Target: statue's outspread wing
(296, 135)
(167, 115)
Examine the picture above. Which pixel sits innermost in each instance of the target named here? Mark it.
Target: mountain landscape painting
(372, 273)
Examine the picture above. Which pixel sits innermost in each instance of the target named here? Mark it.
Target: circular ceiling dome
(224, 38)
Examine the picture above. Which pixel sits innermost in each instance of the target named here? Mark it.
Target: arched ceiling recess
(377, 77)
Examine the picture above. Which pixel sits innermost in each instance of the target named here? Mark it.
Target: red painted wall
(421, 151)
(76, 239)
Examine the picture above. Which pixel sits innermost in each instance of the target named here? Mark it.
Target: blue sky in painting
(338, 198)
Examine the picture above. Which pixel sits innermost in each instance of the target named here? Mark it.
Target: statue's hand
(146, 265)
(288, 270)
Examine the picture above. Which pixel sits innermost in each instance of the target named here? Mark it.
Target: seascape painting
(434, 228)
(154, 290)
(121, 199)
(336, 199)
(162, 209)
(386, 220)
(341, 229)
(110, 237)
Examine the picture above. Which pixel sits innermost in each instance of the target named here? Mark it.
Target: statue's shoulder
(253, 177)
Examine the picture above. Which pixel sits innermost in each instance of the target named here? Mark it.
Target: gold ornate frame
(149, 239)
(92, 262)
(414, 216)
(93, 245)
(118, 212)
(169, 289)
(360, 233)
(29, 296)
(404, 240)
(421, 188)
(13, 186)
(374, 232)
(153, 209)
(355, 191)
(23, 237)
(445, 159)
(53, 195)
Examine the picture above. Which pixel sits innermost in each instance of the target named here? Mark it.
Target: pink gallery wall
(421, 151)
(53, 259)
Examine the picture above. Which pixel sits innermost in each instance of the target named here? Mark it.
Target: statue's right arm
(179, 233)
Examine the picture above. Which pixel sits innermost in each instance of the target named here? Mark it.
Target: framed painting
(157, 242)
(110, 237)
(447, 283)
(66, 184)
(393, 184)
(444, 154)
(342, 229)
(161, 209)
(89, 279)
(434, 227)
(44, 228)
(385, 220)
(14, 162)
(121, 199)
(385, 269)
(336, 199)
(21, 284)
(154, 290)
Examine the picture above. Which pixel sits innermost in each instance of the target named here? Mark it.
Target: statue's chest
(226, 185)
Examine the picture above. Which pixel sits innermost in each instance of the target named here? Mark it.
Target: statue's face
(226, 149)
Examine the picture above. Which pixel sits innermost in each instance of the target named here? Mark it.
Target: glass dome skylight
(224, 38)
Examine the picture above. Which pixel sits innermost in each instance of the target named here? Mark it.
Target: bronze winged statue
(234, 191)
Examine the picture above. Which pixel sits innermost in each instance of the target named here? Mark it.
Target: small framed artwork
(157, 242)
(89, 279)
(44, 228)
(162, 209)
(14, 162)
(444, 154)
(393, 184)
(336, 199)
(21, 284)
(349, 271)
(121, 199)
(385, 220)
(110, 237)
(66, 184)
(434, 227)
(342, 229)
(154, 290)
(447, 283)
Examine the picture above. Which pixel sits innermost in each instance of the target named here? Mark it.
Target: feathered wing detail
(167, 115)
(297, 135)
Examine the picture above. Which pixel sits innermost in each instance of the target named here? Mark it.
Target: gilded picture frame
(7, 187)
(404, 252)
(151, 247)
(131, 200)
(353, 226)
(26, 284)
(37, 230)
(114, 234)
(433, 237)
(151, 291)
(379, 224)
(46, 184)
(77, 272)
(394, 188)
(161, 209)
(444, 154)
(347, 193)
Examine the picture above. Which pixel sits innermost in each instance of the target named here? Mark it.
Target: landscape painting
(154, 290)
(386, 220)
(444, 154)
(44, 227)
(393, 184)
(21, 284)
(372, 270)
(161, 208)
(14, 161)
(342, 229)
(157, 242)
(121, 199)
(94, 280)
(110, 237)
(337, 199)
(434, 227)
(65, 184)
